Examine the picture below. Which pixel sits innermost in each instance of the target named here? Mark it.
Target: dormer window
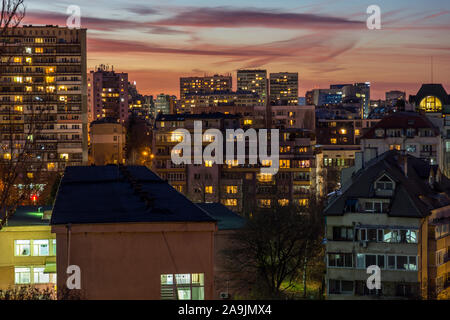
(384, 186)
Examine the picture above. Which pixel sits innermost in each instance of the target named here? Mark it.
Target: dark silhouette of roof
(413, 196)
(436, 90)
(112, 194)
(401, 120)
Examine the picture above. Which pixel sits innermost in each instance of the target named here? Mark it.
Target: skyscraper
(284, 88)
(43, 96)
(107, 94)
(254, 81)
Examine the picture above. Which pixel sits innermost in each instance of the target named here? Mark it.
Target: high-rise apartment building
(205, 85)
(284, 88)
(43, 96)
(254, 81)
(107, 94)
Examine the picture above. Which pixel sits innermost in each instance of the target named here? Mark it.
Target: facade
(254, 81)
(376, 220)
(43, 91)
(239, 187)
(108, 140)
(284, 88)
(28, 250)
(164, 104)
(358, 93)
(107, 94)
(434, 268)
(147, 241)
(191, 102)
(205, 85)
(407, 131)
(341, 139)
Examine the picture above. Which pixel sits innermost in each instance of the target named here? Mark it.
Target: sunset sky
(326, 42)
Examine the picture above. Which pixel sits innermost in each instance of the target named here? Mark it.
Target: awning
(50, 267)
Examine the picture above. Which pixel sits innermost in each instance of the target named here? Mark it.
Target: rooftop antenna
(432, 76)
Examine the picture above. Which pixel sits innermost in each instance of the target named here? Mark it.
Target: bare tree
(16, 137)
(270, 252)
(12, 14)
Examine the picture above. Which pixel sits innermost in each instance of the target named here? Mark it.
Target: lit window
(265, 177)
(40, 248)
(7, 156)
(230, 202)
(54, 247)
(283, 202)
(209, 189)
(64, 156)
(39, 50)
(395, 147)
(28, 60)
(18, 79)
(431, 104)
(248, 122)
(39, 40)
(17, 59)
(208, 163)
(50, 79)
(232, 189)
(266, 163)
(357, 132)
(22, 275)
(51, 166)
(183, 286)
(284, 164)
(333, 140)
(343, 131)
(264, 203)
(39, 276)
(22, 248)
(303, 202)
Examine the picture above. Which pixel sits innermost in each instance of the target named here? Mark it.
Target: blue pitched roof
(112, 194)
(226, 219)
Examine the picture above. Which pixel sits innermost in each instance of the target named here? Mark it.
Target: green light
(36, 214)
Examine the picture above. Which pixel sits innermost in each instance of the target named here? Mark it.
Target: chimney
(403, 163)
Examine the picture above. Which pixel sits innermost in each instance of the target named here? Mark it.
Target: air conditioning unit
(224, 295)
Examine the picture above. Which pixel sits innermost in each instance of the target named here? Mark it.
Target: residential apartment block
(375, 220)
(407, 131)
(240, 187)
(284, 88)
(107, 94)
(254, 81)
(43, 96)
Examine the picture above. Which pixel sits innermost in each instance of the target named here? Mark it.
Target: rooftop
(25, 216)
(112, 194)
(402, 120)
(413, 196)
(226, 219)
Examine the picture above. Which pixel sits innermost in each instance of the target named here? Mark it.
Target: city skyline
(326, 42)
